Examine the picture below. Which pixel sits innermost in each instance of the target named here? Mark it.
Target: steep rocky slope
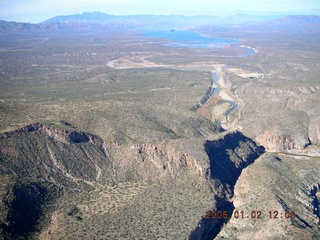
(54, 154)
(228, 156)
(53, 168)
(38, 163)
(277, 140)
(281, 190)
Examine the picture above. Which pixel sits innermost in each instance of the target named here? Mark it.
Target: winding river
(216, 90)
(189, 39)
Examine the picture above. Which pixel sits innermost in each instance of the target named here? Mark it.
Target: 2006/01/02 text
(249, 215)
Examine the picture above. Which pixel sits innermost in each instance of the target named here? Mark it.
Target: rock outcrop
(65, 135)
(277, 141)
(160, 163)
(228, 156)
(314, 131)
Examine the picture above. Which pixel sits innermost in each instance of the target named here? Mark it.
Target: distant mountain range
(98, 21)
(143, 20)
(14, 27)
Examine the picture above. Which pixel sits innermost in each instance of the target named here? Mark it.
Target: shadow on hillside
(228, 157)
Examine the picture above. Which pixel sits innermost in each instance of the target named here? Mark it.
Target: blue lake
(189, 39)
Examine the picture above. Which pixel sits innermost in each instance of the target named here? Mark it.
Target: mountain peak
(86, 17)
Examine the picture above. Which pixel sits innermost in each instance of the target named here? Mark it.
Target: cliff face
(160, 163)
(276, 141)
(228, 156)
(314, 131)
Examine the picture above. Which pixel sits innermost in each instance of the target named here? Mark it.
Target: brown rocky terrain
(130, 160)
(275, 140)
(54, 161)
(287, 188)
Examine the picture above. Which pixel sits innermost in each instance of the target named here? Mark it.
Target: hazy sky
(39, 10)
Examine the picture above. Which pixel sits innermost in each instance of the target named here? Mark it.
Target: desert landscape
(108, 132)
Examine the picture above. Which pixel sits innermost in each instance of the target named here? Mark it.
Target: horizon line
(311, 12)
